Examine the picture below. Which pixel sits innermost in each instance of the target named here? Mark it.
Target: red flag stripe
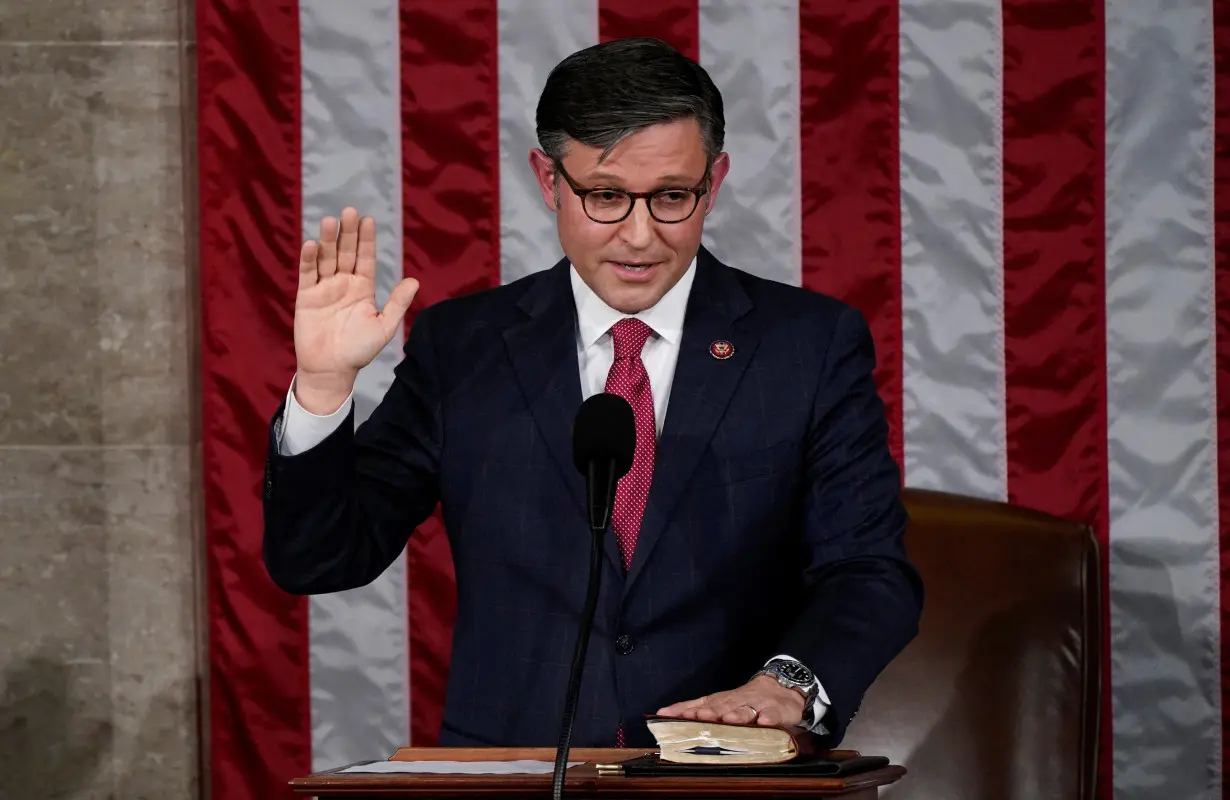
(450, 201)
(1054, 270)
(676, 22)
(1221, 206)
(851, 187)
(249, 156)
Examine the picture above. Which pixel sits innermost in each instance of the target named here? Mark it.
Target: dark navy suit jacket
(773, 524)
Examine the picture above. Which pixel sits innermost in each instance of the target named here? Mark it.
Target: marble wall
(98, 553)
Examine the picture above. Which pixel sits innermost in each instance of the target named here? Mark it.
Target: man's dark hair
(601, 95)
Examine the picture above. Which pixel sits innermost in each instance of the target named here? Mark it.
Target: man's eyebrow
(673, 179)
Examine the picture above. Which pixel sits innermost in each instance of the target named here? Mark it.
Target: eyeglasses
(609, 206)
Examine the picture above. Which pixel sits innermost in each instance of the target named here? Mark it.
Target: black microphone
(603, 446)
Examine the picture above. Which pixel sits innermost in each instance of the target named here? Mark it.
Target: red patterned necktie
(629, 380)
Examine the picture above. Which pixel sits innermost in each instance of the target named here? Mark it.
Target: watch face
(796, 672)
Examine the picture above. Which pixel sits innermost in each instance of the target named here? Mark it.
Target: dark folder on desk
(818, 766)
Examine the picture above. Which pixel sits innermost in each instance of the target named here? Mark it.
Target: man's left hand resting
(761, 700)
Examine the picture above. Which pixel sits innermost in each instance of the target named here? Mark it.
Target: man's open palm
(338, 328)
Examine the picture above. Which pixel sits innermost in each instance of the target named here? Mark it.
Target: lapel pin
(721, 349)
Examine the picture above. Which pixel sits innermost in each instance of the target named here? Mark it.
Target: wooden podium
(583, 780)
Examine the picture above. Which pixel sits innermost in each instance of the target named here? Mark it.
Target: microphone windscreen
(604, 429)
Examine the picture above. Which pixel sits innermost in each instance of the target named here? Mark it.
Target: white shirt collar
(595, 318)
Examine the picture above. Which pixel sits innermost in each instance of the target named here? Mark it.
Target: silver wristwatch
(795, 675)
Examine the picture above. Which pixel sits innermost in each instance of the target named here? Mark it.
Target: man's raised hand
(338, 328)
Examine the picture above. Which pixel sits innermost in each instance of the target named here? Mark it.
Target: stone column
(98, 441)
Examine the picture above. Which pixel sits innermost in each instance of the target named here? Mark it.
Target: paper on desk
(461, 767)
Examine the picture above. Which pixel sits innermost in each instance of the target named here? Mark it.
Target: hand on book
(762, 700)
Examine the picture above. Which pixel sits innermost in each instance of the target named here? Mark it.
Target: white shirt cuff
(302, 430)
(821, 704)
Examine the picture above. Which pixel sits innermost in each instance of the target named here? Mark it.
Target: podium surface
(582, 780)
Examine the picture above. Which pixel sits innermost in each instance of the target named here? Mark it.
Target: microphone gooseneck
(603, 445)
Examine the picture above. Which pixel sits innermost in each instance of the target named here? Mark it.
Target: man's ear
(544, 172)
(717, 174)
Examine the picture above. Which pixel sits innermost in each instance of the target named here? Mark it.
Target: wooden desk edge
(581, 779)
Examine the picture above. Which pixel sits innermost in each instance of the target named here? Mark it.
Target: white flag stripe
(952, 246)
(1161, 410)
(351, 155)
(534, 36)
(755, 225)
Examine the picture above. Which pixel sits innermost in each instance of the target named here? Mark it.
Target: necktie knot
(629, 336)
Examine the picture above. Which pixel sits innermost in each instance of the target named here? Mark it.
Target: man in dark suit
(755, 571)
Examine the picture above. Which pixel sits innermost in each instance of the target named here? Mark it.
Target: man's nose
(637, 229)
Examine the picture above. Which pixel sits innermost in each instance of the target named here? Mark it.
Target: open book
(689, 741)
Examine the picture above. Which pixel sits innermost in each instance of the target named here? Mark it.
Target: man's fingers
(348, 243)
(745, 710)
(728, 707)
(307, 264)
(676, 709)
(725, 702)
(750, 703)
(365, 262)
(326, 264)
(745, 705)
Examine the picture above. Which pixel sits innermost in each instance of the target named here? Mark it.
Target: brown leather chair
(998, 697)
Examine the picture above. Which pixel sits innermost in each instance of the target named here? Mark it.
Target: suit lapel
(700, 392)
(543, 352)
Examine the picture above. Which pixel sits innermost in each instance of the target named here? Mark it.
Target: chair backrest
(999, 695)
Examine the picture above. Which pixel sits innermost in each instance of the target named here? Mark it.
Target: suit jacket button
(625, 644)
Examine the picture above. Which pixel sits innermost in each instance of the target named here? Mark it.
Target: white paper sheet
(461, 767)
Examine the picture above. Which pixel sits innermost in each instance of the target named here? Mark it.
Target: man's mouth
(635, 270)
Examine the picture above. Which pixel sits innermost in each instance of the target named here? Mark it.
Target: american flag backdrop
(1027, 198)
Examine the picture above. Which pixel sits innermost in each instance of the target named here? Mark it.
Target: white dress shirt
(596, 349)
(302, 430)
